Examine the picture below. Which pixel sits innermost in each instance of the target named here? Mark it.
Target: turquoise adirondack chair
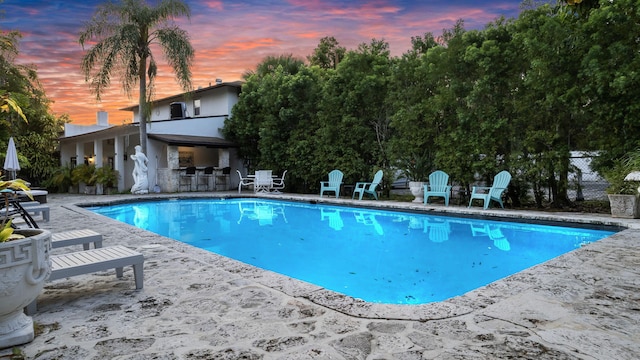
(438, 186)
(368, 187)
(486, 194)
(335, 180)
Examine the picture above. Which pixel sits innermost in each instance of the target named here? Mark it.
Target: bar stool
(204, 178)
(222, 179)
(186, 179)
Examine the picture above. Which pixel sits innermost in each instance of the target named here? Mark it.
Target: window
(196, 107)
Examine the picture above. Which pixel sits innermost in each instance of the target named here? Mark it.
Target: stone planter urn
(24, 267)
(624, 206)
(417, 190)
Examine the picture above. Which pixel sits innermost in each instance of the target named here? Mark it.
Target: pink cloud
(217, 5)
(231, 38)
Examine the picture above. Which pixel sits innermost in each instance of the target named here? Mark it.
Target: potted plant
(85, 174)
(107, 177)
(24, 272)
(62, 179)
(416, 169)
(623, 188)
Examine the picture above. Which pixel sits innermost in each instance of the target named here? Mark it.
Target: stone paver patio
(199, 305)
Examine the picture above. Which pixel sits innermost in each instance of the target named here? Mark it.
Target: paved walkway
(198, 305)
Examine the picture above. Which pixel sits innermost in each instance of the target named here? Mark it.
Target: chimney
(102, 118)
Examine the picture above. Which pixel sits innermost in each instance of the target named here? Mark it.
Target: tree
(253, 107)
(611, 65)
(414, 121)
(289, 64)
(549, 103)
(25, 114)
(328, 54)
(124, 33)
(457, 147)
(275, 117)
(15, 79)
(354, 116)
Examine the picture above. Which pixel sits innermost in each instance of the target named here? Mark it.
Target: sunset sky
(230, 37)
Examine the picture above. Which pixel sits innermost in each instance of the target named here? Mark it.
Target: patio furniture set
(263, 181)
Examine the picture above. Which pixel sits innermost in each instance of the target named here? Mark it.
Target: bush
(615, 176)
(106, 176)
(84, 174)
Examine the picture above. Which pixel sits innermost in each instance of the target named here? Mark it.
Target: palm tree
(269, 64)
(123, 33)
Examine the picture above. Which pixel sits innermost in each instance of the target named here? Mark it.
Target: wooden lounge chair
(16, 211)
(94, 260)
(37, 209)
(82, 237)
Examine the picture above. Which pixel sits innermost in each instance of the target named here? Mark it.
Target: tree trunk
(142, 104)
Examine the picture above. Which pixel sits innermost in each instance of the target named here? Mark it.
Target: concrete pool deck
(199, 305)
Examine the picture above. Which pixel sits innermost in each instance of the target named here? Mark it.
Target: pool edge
(457, 306)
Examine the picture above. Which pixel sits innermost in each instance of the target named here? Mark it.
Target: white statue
(140, 178)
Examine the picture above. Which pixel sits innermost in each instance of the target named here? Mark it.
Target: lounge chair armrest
(361, 185)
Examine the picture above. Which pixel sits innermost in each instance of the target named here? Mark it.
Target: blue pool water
(375, 255)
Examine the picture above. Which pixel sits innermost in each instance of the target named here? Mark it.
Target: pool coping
(460, 305)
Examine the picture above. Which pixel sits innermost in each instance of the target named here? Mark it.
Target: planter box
(624, 206)
(417, 190)
(25, 267)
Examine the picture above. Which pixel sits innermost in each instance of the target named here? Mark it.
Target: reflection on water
(264, 212)
(369, 219)
(438, 229)
(376, 255)
(141, 217)
(334, 217)
(494, 233)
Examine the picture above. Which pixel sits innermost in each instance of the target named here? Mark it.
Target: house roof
(188, 140)
(236, 84)
(113, 129)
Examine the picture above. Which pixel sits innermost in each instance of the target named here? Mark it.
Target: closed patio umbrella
(11, 163)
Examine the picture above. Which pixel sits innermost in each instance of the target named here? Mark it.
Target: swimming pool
(375, 255)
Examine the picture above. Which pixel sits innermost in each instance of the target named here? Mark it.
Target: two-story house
(184, 131)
